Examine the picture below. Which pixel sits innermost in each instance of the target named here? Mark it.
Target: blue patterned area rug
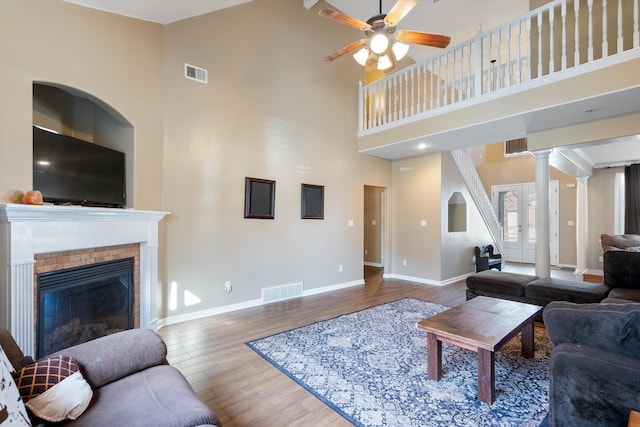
(370, 366)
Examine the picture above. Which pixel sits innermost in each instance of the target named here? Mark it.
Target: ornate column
(543, 257)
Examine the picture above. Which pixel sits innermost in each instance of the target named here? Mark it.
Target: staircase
(479, 195)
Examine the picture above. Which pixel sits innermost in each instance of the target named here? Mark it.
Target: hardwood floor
(245, 390)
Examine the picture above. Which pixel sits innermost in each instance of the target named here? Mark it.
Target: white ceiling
(456, 18)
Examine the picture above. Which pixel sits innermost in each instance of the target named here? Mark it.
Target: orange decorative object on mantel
(32, 198)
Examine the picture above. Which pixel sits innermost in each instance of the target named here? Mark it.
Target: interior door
(515, 206)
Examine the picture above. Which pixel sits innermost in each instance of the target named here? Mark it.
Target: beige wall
(116, 59)
(195, 143)
(421, 189)
(272, 109)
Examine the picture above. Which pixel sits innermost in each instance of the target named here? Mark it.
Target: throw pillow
(66, 400)
(54, 388)
(12, 410)
(38, 377)
(633, 249)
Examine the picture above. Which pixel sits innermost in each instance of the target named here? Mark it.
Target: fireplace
(28, 232)
(79, 304)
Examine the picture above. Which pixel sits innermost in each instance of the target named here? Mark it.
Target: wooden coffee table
(483, 325)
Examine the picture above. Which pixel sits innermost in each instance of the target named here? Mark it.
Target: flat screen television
(68, 170)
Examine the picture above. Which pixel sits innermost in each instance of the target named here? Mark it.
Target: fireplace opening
(79, 304)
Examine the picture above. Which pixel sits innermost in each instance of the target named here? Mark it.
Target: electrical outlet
(404, 262)
(340, 268)
(227, 286)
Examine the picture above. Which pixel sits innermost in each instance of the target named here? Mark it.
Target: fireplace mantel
(27, 230)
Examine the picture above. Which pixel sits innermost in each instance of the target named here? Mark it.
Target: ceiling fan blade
(425, 39)
(398, 11)
(348, 48)
(344, 19)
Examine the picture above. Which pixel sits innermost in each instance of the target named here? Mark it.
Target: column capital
(542, 153)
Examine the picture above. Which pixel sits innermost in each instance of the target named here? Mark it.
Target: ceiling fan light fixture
(400, 50)
(379, 43)
(384, 62)
(361, 56)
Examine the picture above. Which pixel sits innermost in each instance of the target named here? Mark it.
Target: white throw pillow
(12, 410)
(66, 400)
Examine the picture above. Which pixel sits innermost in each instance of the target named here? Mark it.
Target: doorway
(515, 206)
(374, 226)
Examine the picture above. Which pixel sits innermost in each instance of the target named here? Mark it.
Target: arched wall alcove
(76, 113)
(457, 205)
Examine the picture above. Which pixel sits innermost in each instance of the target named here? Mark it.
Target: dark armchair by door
(486, 259)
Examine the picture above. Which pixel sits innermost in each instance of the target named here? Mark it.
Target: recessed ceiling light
(422, 146)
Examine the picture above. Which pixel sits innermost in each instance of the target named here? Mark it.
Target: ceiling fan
(383, 45)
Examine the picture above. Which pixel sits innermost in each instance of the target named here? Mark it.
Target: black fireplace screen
(78, 304)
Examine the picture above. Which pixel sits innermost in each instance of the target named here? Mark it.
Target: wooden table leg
(434, 356)
(528, 345)
(486, 376)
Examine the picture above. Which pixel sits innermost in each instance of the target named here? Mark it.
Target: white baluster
(518, 52)
(552, 65)
(563, 13)
(590, 32)
(576, 52)
(620, 35)
(636, 29)
(478, 61)
(496, 77)
(431, 84)
(489, 63)
(425, 91)
(605, 30)
(509, 65)
(540, 44)
(461, 72)
(529, 50)
(413, 84)
(469, 70)
(360, 112)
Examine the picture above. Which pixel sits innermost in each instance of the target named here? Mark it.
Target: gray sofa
(132, 383)
(621, 254)
(595, 363)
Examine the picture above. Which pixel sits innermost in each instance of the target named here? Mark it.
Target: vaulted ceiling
(459, 19)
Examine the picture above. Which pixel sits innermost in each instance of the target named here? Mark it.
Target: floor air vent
(278, 293)
(195, 73)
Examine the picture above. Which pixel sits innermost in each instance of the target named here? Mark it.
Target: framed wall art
(312, 197)
(259, 198)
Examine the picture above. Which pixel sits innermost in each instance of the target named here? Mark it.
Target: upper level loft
(563, 74)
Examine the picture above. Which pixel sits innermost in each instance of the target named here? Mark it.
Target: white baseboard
(171, 320)
(429, 281)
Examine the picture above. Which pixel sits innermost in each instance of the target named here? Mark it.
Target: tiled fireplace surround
(33, 238)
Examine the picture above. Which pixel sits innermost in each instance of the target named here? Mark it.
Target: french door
(515, 206)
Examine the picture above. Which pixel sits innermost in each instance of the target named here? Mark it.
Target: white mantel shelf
(27, 230)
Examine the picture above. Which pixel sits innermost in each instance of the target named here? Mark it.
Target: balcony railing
(561, 35)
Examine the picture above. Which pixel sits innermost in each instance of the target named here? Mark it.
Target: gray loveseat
(132, 383)
(595, 363)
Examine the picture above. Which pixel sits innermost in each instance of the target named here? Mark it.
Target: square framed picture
(312, 197)
(259, 198)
